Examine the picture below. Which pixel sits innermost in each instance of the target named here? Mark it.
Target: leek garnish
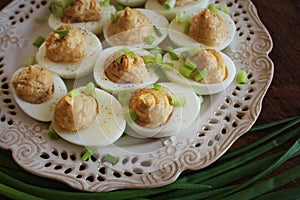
(241, 77)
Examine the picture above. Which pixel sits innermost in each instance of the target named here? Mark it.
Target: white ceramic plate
(142, 163)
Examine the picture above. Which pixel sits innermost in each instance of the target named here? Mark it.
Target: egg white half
(170, 14)
(200, 88)
(44, 111)
(177, 36)
(182, 117)
(95, 27)
(106, 84)
(107, 127)
(70, 70)
(156, 20)
(132, 3)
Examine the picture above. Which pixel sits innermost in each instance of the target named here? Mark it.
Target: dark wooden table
(282, 100)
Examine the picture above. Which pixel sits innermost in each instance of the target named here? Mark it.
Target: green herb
(172, 53)
(178, 100)
(90, 89)
(56, 8)
(157, 87)
(66, 3)
(158, 58)
(105, 3)
(169, 4)
(114, 16)
(62, 33)
(121, 52)
(186, 28)
(29, 61)
(241, 77)
(150, 39)
(148, 59)
(212, 8)
(155, 50)
(185, 54)
(186, 72)
(88, 154)
(224, 8)
(195, 50)
(51, 133)
(200, 75)
(74, 93)
(167, 66)
(132, 115)
(39, 41)
(111, 159)
(190, 65)
(157, 31)
(120, 7)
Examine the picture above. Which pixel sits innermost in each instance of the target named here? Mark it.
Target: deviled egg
(69, 52)
(90, 117)
(122, 68)
(207, 71)
(206, 28)
(138, 27)
(37, 90)
(169, 11)
(84, 14)
(160, 111)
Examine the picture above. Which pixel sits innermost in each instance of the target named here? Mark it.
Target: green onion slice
(169, 4)
(155, 50)
(51, 133)
(157, 87)
(105, 3)
(185, 54)
(121, 52)
(158, 58)
(120, 7)
(167, 65)
(186, 72)
(56, 8)
(212, 8)
(241, 77)
(111, 159)
(62, 33)
(150, 39)
(114, 16)
(172, 53)
(199, 76)
(181, 17)
(90, 89)
(190, 65)
(74, 93)
(178, 100)
(66, 3)
(133, 115)
(148, 59)
(39, 41)
(224, 8)
(186, 28)
(88, 154)
(157, 31)
(195, 50)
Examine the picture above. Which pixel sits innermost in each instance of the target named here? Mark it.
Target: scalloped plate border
(228, 116)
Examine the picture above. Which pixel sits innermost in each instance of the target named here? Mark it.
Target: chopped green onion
(185, 54)
(121, 52)
(124, 97)
(51, 133)
(105, 3)
(88, 154)
(167, 65)
(62, 33)
(212, 8)
(199, 76)
(29, 60)
(186, 72)
(241, 77)
(195, 50)
(190, 65)
(90, 89)
(114, 16)
(181, 17)
(224, 8)
(157, 87)
(157, 31)
(66, 3)
(148, 59)
(178, 100)
(158, 58)
(150, 39)
(128, 51)
(172, 53)
(132, 114)
(111, 159)
(186, 28)
(39, 41)
(56, 9)
(120, 7)
(169, 4)
(74, 93)
(155, 50)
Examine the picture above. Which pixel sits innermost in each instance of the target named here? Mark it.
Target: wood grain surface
(282, 20)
